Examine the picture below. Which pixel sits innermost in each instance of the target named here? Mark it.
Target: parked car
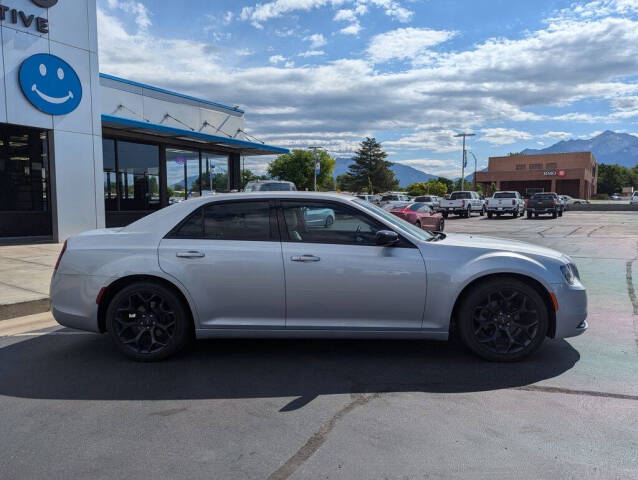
(463, 204)
(247, 265)
(270, 186)
(634, 199)
(369, 198)
(421, 215)
(394, 197)
(574, 201)
(319, 217)
(505, 202)
(432, 201)
(544, 203)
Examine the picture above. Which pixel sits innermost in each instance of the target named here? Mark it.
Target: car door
(337, 277)
(228, 256)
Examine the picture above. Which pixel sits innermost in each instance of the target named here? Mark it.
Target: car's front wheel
(503, 320)
(148, 322)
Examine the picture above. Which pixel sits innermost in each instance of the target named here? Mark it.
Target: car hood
(500, 244)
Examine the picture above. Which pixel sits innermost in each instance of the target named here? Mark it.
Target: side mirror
(387, 237)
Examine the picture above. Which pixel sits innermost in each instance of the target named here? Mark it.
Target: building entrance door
(25, 200)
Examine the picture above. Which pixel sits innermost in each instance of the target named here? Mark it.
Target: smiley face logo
(50, 84)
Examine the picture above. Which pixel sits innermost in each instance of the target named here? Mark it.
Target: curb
(23, 309)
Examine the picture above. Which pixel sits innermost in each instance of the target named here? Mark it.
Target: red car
(421, 215)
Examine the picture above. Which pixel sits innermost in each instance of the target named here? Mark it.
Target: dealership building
(81, 150)
(574, 174)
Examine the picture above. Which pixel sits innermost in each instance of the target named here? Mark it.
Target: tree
(248, 176)
(370, 171)
(431, 187)
(612, 178)
(447, 182)
(298, 167)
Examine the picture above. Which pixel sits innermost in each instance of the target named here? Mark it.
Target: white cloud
(503, 136)
(275, 59)
(406, 43)
(352, 29)
(138, 9)
(312, 53)
(316, 40)
(558, 135)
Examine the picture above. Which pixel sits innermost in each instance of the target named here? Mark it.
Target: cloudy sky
(517, 73)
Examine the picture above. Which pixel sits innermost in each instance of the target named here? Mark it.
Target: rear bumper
(503, 209)
(73, 300)
(543, 210)
(571, 317)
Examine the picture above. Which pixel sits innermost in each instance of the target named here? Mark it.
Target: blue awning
(165, 132)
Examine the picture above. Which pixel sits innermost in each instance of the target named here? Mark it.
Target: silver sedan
(255, 265)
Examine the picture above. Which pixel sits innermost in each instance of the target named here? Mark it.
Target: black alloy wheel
(503, 320)
(148, 322)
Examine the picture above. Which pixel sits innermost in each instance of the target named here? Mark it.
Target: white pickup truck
(462, 204)
(505, 202)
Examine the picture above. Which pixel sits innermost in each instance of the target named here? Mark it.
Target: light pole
(315, 166)
(464, 135)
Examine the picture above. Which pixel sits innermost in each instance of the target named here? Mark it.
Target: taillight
(462, 203)
(527, 203)
(553, 203)
(57, 263)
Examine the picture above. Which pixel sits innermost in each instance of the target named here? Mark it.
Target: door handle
(305, 258)
(190, 254)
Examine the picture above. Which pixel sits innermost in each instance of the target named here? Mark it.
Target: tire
(503, 320)
(554, 214)
(329, 221)
(482, 213)
(515, 214)
(529, 214)
(489, 214)
(418, 224)
(468, 214)
(441, 225)
(161, 325)
(445, 215)
(560, 213)
(535, 215)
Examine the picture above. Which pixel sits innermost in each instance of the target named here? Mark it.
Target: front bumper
(571, 317)
(73, 300)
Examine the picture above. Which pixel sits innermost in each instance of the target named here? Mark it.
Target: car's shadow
(86, 367)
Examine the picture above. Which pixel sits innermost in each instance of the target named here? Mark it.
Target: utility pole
(464, 135)
(316, 166)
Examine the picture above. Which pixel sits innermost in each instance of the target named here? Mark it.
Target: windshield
(543, 196)
(396, 222)
(418, 207)
(460, 196)
(423, 199)
(505, 195)
(389, 198)
(275, 187)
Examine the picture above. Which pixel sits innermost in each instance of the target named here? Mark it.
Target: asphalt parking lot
(72, 407)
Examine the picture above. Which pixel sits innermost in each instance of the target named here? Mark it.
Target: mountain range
(608, 147)
(404, 173)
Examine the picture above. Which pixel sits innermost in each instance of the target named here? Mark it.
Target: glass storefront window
(138, 176)
(182, 174)
(214, 178)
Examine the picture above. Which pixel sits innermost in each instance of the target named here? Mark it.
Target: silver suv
(270, 186)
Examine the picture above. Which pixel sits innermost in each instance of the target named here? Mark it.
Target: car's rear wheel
(554, 214)
(148, 322)
(529, 214)
(503, 320)
(445, 215)
(489, 214)
(515, 214)
(417, 224)
(441, 225)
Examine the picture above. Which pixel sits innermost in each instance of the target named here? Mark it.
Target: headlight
(570, 272)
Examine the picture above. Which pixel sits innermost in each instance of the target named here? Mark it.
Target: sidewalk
(25, 273)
